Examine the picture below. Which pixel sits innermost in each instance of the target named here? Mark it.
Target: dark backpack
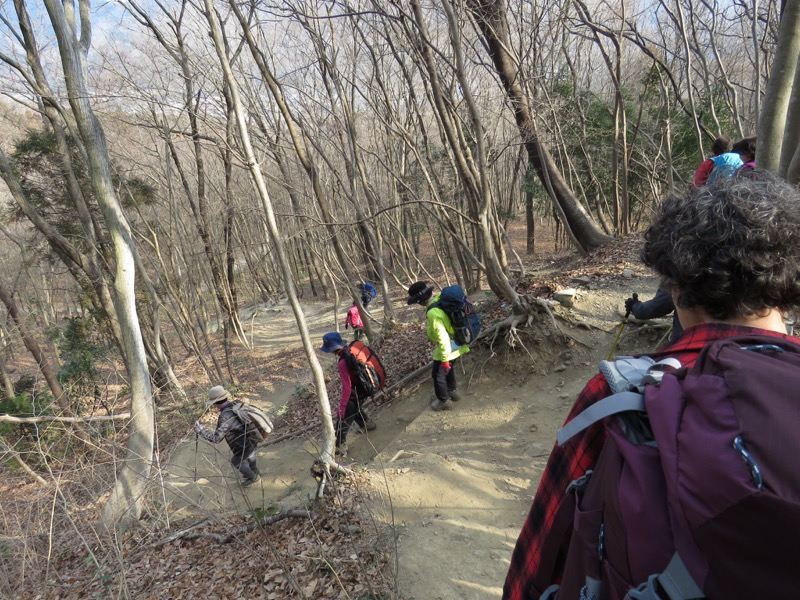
(370, 375)
(257, 424)
(696, 493)
(465, 320)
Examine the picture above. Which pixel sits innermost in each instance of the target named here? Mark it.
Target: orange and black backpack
(370, 375)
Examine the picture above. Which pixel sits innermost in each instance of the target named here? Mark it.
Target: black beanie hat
(419, 292)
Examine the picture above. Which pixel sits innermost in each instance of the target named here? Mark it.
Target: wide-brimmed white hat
(217, 394)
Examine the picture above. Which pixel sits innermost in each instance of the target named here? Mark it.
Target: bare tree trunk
(300, 138)
(757, 62)
(530, 216)
(5, 380)
(773, 150)
(198, 199)
(127, 497)
(490, 16)
(495, 273)
(276, 238)
(790, 153)
(619, 159)
(41, 359)
(86, 268)
(156, 351)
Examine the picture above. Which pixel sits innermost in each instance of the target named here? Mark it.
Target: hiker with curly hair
(730, 256)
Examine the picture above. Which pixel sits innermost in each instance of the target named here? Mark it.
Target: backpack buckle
(580, 483)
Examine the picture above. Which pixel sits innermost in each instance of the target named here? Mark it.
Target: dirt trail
(458, 484)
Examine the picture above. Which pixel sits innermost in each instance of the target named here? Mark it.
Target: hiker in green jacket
(445, 350)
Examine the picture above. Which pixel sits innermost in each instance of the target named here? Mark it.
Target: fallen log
(48, 418)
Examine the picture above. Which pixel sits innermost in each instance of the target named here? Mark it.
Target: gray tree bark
(490, 16)
(41, 359)
(125, 504)
(300, 140)
(773, 151)
(275, 235)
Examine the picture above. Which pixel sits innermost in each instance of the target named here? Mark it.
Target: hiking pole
(197, 445)
(619, 330)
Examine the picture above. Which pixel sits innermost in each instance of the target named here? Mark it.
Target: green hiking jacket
(440, 332)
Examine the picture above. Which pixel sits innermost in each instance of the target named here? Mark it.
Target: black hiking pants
(443, 383)
(353, 413)
(244, 459)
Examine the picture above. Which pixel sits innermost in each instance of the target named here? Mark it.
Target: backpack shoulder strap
(351, 361)
(237, 407)
(675, 582)
(348, 357)
(627, 376)
(610, 405)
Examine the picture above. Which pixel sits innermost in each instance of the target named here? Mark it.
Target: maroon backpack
(696, 493)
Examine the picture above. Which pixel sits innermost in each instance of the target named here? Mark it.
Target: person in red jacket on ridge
(722, 159)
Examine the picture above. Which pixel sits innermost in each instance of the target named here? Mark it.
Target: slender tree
(275, 234)
(73, 33)
(490, 16)
(778, 146)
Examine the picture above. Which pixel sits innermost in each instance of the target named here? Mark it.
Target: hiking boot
(439, 405)
(370, 425)
(454, 395)
(341, 450)
(249, 482)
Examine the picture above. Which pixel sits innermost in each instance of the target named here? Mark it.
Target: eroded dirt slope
(456, 484)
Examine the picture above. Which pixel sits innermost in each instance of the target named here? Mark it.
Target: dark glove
(629, 304)
(346, 325)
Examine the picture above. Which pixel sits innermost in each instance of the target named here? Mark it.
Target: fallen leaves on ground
(338, 551)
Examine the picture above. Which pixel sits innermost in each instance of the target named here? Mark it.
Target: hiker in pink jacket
(350, 410)
(353, 320)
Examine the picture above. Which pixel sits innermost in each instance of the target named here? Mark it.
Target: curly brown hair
(731, 249)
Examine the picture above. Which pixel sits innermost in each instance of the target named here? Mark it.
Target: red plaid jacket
(571, 461)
